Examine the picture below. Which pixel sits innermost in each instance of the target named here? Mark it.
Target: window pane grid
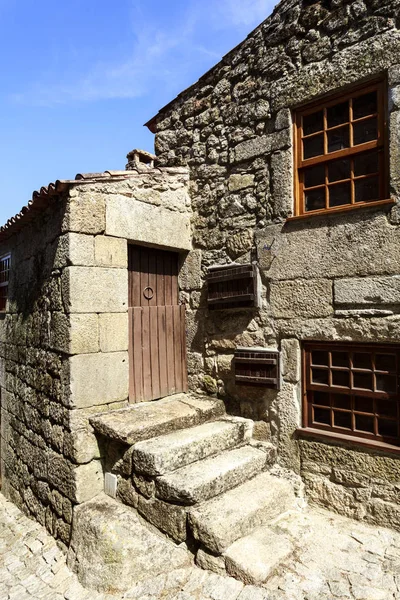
(348, 128)
(5, 263)
(344, 191)
(3, 297)
(366, 413)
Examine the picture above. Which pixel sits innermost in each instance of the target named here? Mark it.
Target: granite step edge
(149, 419)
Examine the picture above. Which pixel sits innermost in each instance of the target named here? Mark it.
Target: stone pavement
(335, 559)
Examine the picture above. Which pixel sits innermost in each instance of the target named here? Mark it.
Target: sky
(80, 78)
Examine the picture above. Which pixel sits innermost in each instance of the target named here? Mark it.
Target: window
(5, 262)
(340, 152)
(353, 390)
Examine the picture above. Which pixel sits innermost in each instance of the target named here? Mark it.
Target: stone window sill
(341, 209)
(349, 440)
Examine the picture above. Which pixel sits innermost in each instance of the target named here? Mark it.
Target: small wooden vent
(232, 286)
(257, 367)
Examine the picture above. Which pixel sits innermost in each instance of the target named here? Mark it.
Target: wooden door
(157, 335)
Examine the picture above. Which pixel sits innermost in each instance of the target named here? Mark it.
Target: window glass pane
(315, 200)
(364, 404)
(341, 401)
(321, 398)
(338, 114)
(360, 390)
(340, 359)
(387, 408)
(365, 105)
(320, 376)
(3, 297)
(385, 362)
(340, 194)
(365, 131)
(362, 360)
(4, 269)
(338, 139)
(341, 378)
(314, 176)
(342, 419)
(362, 381)
(367, 190)
(320, 357)
(386, 383)
(313, 123)
(313, 146)
(322, 415)
(366, 164)
(339, 169)
(365, 424)
(387, 428)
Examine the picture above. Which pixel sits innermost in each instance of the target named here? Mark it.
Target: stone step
(111, 549)
(254, 559)
(219, 522)
(149, 419)
(207, 478)
(170, 452)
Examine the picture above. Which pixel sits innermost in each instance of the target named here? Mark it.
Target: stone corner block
(85, 213)
(75, 333)
(113, 332)
(74, 249)
(97, 379)
(95, 289)
(111, 251)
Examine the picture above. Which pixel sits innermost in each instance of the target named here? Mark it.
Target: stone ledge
(150, 419)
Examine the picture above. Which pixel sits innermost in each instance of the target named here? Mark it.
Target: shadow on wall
(35, 284)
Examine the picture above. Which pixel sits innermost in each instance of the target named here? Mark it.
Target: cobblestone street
(336, 559)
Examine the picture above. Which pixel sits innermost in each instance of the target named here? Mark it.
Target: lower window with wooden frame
(352, 390)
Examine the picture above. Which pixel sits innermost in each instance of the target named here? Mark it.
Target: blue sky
(80, 78)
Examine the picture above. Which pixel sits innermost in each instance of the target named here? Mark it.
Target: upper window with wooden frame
(352, 390)
(5, 264)
(341, 152)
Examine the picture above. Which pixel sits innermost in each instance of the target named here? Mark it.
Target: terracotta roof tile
(50, 193)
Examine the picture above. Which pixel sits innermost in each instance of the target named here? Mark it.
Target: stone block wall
(358, 483)
(37, 463)
(324, 278)
(64, 339)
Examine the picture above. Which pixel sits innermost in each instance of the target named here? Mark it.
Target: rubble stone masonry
(332, 277)
(64, 339)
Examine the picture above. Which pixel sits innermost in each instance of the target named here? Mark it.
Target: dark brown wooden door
(157, 335)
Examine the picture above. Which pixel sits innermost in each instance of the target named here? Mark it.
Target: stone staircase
(198, 476)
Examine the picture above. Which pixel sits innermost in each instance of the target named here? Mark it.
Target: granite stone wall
(36, 460)
(357, 483)
(324, 278)
(64, 339)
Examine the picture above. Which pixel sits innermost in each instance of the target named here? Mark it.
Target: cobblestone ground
(336, 559)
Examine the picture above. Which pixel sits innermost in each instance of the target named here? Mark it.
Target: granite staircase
(198, 476)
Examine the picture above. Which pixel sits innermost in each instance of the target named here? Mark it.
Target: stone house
(251, 269)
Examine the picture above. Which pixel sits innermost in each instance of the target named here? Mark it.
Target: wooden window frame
(381, 144)
(4, 284)
(330, 432)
